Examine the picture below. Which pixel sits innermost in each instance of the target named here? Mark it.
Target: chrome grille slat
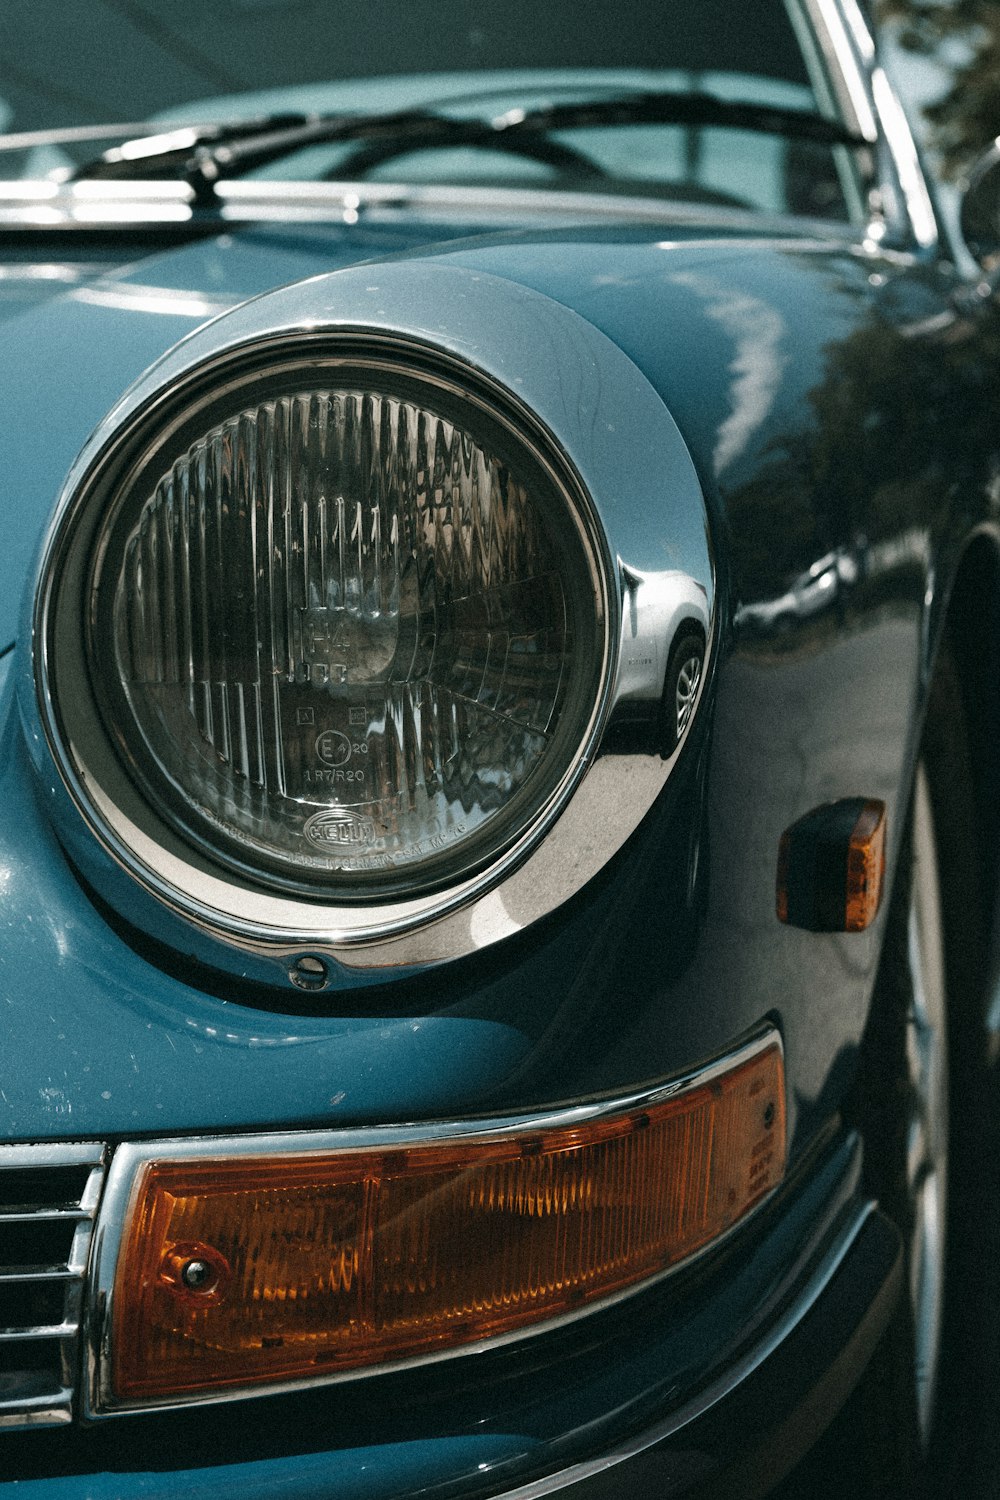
(38, 1331)
(38, 1273)
(58, 1154)
(45, 1410)
(48, 1200)
(46, 1216)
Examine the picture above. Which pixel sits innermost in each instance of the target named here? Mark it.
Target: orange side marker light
(831, 867)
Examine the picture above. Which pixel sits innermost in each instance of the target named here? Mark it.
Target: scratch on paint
(55, 1100)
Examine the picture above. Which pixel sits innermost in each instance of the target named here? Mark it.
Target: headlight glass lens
(346, 633)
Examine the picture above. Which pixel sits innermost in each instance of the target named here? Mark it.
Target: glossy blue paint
(164, 1051)
(381, 1470)
(76, 338)
(107, 1044)
(717, 323)
(769, 314)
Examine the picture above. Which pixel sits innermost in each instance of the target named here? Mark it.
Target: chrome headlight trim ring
(587, 410)
(87, 730)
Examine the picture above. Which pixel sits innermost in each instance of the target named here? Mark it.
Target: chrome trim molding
(30, 205)
(129, 1160)
(901, 205)
(588, 404)
(906, 161)
(841, 61)
(859, 29)
(713, 1394)
(927, 1103)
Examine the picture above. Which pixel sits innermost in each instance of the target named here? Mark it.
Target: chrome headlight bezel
(591, 420)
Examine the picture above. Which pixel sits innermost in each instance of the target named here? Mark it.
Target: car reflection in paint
(822, 586)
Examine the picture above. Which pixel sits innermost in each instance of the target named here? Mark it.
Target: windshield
(66, 64)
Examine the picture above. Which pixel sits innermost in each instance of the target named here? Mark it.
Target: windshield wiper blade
(202, 156)
(681, 107)
(512, 130)
(205, 155)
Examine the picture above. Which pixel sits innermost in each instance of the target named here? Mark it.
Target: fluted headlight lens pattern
(347, 637)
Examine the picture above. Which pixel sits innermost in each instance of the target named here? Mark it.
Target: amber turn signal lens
(254, 1269)
(865, 867)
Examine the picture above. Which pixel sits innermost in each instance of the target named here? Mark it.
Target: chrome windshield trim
(97, 1399)
(842, 64)
(901, 204)
(59, 135)
(919, 208)
(40, 205)
(859, 29)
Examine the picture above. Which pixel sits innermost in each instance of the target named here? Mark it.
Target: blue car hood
(77, 333)
(729, 330)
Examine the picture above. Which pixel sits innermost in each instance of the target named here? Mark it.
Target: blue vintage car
(499, 748)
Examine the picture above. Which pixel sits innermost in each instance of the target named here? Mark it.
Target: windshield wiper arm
(171, 150)
(204, 155)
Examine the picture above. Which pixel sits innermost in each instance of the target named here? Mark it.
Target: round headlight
(344, 621)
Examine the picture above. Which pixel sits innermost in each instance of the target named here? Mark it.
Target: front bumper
(714, 1383)
(743, 1436)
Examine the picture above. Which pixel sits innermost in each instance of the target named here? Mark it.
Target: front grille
(48, 1198)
